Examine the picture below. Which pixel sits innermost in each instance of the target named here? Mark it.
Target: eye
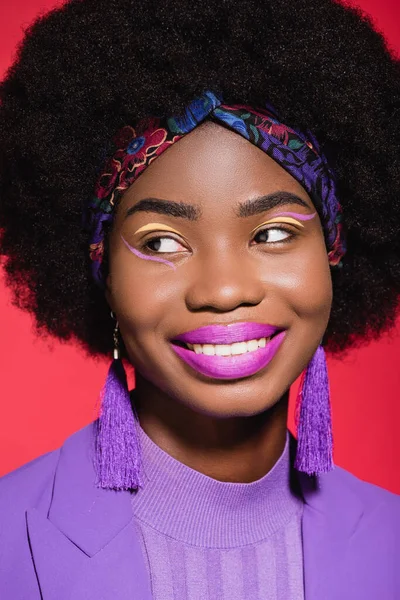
(163, 244)
(273, 235)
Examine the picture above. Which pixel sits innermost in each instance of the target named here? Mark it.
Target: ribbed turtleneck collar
(196, 509)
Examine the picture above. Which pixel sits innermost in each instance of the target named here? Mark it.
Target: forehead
(208, 164)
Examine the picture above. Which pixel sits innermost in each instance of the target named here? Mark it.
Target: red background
(49, 390)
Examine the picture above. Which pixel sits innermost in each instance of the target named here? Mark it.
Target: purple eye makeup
(298, 216)
(283, 217)
(146, 256)
(290, 218)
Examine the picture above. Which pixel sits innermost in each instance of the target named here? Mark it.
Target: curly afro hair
(86, 69)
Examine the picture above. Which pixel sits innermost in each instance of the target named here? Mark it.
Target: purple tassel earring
(118, 457)
(313, 419)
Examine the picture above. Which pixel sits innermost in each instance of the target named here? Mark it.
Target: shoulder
(348, 500)
(27, 486)
(29, 479)
(371, 494)
(374, 536)
(31, 485)
(380, 507)
(341, 492)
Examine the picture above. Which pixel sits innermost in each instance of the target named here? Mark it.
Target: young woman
(203, 191)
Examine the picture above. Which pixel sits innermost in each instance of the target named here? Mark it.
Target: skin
(222, 272)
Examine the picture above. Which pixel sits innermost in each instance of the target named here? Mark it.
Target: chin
(239, 399)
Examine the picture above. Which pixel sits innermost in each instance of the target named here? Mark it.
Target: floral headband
(138, 146)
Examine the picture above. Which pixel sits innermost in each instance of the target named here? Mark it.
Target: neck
(234, 449)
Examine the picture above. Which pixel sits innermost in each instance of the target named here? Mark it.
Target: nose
(223, 284)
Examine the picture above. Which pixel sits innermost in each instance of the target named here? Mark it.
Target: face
(229, 253)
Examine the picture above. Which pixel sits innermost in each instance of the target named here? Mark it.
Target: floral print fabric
(137, 147)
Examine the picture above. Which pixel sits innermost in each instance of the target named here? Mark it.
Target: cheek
(303, 282)
(313, 295)
(148, 296)
(145, 292)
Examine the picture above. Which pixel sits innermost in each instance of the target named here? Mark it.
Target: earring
(118, 456)
(313, 419)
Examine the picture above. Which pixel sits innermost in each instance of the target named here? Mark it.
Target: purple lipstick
(234, 366)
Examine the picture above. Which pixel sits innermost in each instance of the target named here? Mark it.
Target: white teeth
(221, 350)
(208, 349)
(229, 349)
(239, 348)
(252, 345)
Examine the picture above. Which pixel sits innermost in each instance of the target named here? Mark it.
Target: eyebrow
(261, 204)
(192, 212)
(165, 207)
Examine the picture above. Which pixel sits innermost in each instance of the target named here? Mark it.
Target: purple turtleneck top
(205, 539)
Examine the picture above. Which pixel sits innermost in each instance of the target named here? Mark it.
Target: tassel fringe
(118, 456)
(313, 419)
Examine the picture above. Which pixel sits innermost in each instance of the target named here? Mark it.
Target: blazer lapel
(333, 518)
(349, 539)
(332, 513)
(85, 545)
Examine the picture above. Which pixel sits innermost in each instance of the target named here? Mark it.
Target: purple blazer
(62, 538)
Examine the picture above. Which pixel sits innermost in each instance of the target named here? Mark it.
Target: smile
(229, 349)
(229, 361)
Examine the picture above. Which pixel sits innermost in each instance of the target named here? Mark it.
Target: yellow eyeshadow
(163, 227)
(288, 220)
(159, 226)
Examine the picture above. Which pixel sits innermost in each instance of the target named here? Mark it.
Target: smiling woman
(224, 263)
(223, 196)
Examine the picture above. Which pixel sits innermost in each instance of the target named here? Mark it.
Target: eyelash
(291, 236)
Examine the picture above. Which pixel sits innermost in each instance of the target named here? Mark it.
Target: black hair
(86, 69)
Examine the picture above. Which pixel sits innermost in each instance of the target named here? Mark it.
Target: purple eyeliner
(145, 257)
(294, 215)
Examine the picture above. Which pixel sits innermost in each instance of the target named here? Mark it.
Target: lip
(231, 367)
(227, 334)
